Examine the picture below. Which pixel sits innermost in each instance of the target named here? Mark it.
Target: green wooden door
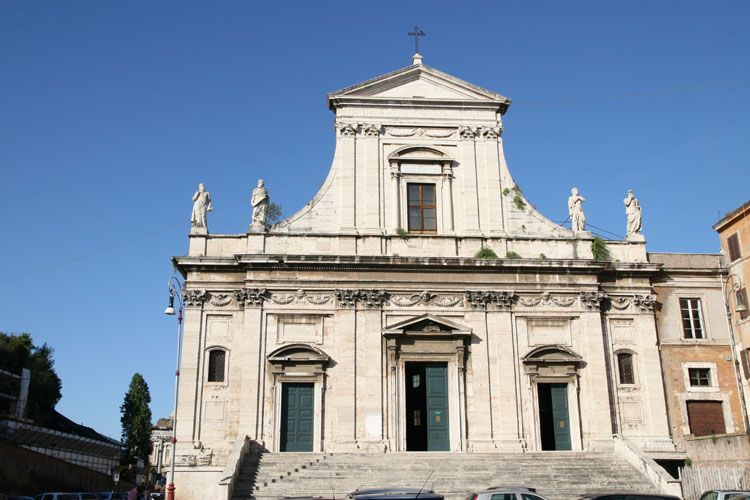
(559, 396)
(438, 434)
(297, 417)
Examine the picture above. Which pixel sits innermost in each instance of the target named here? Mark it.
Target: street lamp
(175, 290)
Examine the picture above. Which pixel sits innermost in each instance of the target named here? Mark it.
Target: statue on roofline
(201, 205)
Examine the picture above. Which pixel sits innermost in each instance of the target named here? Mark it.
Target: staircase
(556, 475)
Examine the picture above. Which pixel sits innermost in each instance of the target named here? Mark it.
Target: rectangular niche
(623, 331)
(546, 331)
(304, 328)
(214, 411)
(218, 327)
(632, 411)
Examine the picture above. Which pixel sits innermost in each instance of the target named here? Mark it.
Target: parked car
(394, 493)
(506, 493)
(112, 495)
(67, 496)
(627, 496)
(724, 494)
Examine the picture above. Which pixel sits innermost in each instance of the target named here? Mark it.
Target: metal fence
(697, 479)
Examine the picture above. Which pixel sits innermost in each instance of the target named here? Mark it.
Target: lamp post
(739, 307)
(175, 289)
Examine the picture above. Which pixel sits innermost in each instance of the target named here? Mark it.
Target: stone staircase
(556, 475)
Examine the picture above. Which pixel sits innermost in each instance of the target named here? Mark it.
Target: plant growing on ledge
(402, 233)
(485, 253)
(599, 249)
(512, 255)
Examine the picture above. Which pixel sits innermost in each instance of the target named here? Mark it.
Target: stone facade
(350, 297)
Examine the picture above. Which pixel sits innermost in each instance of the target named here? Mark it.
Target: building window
(692, 319)
(216, 363)
(706, 418)
(733, 242)
(625, 368)
(422, 208)
(699, 377)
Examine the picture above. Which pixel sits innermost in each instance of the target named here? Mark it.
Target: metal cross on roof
(416, 34)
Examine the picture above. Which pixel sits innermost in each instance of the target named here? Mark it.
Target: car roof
(511, 488)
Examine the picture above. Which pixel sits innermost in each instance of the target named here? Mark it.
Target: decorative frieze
(546, 299)
(420, 132)
(248, 297)
(219, 299)
(301, 297)
(194, 298)
(425, 298)
(368, 298)
(503, 300)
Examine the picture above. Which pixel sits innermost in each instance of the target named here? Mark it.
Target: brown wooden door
(706, 418)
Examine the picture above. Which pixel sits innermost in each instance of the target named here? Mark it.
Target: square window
(692, 319)
(699, 377)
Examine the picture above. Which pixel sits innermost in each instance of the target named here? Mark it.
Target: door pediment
(427, 325)
(552, 354)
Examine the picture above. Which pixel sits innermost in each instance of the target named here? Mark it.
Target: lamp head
(169, 311)
(739, 299)
(741, 308)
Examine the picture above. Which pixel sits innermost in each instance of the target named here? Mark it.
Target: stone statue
(575, 210)
(633, 213)
(201, 205)
(260, 201)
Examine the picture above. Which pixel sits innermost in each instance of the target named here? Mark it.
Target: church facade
(377, 319)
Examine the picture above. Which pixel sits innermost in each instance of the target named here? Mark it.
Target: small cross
(416, 34)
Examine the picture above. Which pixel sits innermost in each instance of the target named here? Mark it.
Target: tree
(18, 351)
(274, 213)
(136, 420)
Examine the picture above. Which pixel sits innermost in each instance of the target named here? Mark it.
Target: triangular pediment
(427, 324)
(418, 82)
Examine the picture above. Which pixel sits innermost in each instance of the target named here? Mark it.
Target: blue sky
(111, 113)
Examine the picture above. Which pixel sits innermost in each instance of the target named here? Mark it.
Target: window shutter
(733, 242)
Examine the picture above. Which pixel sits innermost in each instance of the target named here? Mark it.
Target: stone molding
(645, 302)
(592, 300)
(420, 132)
(425, 298)
(479, 132)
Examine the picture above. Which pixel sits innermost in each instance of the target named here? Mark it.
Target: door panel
(297, 416)
(706, 418)
(559, 396)
(438, 433)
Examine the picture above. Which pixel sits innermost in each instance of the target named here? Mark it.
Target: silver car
(506, 493)
(725, 495)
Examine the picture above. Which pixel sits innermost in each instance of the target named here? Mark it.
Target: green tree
(274, 213)
(136, 420)
(45, 388)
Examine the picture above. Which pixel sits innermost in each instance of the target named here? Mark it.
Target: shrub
(512, 255)
(402, 233)
(485, 253)
(599, 249)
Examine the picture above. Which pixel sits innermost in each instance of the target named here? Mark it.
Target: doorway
(427, 407)
(554, 420)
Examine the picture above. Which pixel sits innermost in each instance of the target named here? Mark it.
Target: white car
(506, 493)
(725, 495)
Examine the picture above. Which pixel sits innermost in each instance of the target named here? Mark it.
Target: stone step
(557, 475)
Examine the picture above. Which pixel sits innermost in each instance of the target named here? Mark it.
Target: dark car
(627, 496)
(394, 493)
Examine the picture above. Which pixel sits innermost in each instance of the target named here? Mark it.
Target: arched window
(625, 368)
(216, 364)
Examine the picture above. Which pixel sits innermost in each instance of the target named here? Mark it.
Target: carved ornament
(645, 302)
(592, 300)
(250, 296)
(347, 129)
(371, 130)
(301, 297)
(368, 298)
(219, 299)
(490, 133)
(546, 299)
(467, 132)
(194, 298)
(425, 298)
(484, 298)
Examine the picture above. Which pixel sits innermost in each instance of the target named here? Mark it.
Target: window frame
(421, 206)
(734, 238)
(689, 333)
(633, 371)
(701, 375)
(713, 377)
(225, 373)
